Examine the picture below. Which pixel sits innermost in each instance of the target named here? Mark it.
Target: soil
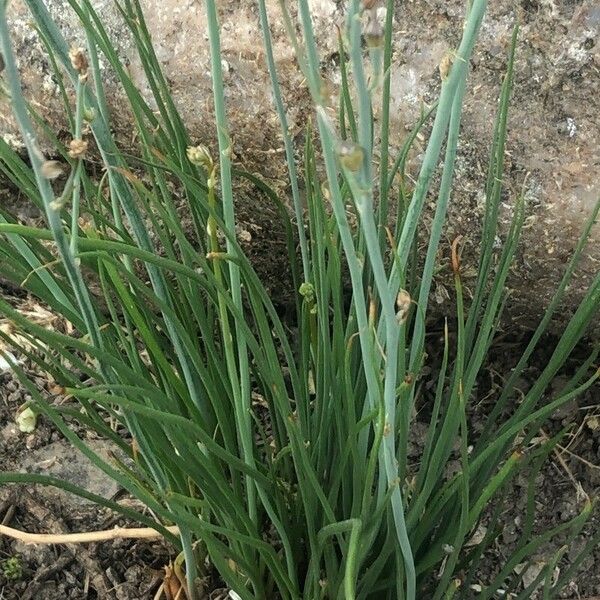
(119, 570)
(567, 478)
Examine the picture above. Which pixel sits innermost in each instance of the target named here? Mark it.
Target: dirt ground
(572, 469)
(116, 570)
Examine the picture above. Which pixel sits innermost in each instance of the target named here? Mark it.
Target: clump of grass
(12, 568)
(282, 458)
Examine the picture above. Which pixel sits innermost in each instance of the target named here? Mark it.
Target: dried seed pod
(200, 156)
(403, 301)
(171, 585)
(456, 255)
(51, 169)
(77, 148)
(79, 61)
(446, 65)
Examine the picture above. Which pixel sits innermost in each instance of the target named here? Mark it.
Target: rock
(554, 127)
(62, 460)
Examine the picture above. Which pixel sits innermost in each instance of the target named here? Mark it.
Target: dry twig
(86, 537)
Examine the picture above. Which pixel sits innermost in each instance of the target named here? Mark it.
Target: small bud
(51, 169)
(216, 256)
(78, 60)
(307, 291)
(200, 156)
(77, 148)
(26, 420)
(89, 114)
(403, 301)
(351, 156)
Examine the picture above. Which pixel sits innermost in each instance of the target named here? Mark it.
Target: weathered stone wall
(554, 128)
